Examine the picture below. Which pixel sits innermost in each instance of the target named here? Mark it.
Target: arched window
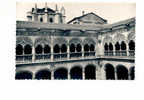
(23, 75)
(63, 48)
(78, 48)
(56, 49)
(106, 47)
(38, 49)
(19, 49)
(92, 47)
(122, 72)
(117, 46)
(132, 73)
(123, 46)
(27, 49)
(61, 73)
(41, 19)
(110, 47)
(47, 49)
(72, 48)
(90, 72)
(43, 74)
(51, 20)
(86, 47)
(110, 72)
(131, 45)
(76, 72)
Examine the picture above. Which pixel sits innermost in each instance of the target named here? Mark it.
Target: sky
(113, 12)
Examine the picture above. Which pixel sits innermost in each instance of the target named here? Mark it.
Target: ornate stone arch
(42, 41)
(75, 41)
(23, 41)
(119, 38)
(131, 36)
(60, 41)
(89, 41)
(107, 39)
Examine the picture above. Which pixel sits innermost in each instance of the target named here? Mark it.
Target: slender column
(82, 51)
(52, 74)
(33, 76)
(115, 75)
(52, 45)
(33, 53)
(129, 76)
(83, 73)
(68, 51)
(68, 74)
(127, 49)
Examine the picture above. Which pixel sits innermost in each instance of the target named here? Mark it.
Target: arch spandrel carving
(89, 41)
(131, 36)
(60, 41)
(24, 41)
(119, 38)
(42, 41)
(75, 41)
(107, 39)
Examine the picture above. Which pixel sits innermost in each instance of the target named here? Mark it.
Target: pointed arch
(122, 72)
(61, 73)
(43, 74)
(110, 72)
(23, 75)
(90, 72)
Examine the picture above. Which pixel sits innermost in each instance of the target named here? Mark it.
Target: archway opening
(90, 72)
(63, 48)
(72, 48)
(61, 73)
(86, 50)
(19, 49)
(110, 72)
(43, 74)
(27, 49)
(106, 49)
(123, 48)
(56, 49)
(76, 73)
(92, 47)
(117, 49)
(110, 49)
(78, 48)
(47, 49)
(132, 73)
(38, 49)
(122, 72)
(23, 75)
(86, 47)
(131, 45)
(132, 48)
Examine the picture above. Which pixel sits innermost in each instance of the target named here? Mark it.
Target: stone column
(98, 73)
(129, 76)
(52, 45)
(52, 74)
(68, 74)
(83, 73)
(115, 73)
(82, 51)
(103, 74)
(68, 50)
(127, 49)
(33, 53)
(33, 76)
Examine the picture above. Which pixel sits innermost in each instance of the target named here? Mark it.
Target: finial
(56, 8)
(35, 5)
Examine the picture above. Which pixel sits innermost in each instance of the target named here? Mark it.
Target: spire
(63, 11)
(46, 7)
(56, 8)
(35, 6)
(35, 9)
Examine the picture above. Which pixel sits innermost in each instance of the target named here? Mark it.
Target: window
(41, 19)
(51, 20)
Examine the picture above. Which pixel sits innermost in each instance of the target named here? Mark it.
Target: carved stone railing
(42, 56)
